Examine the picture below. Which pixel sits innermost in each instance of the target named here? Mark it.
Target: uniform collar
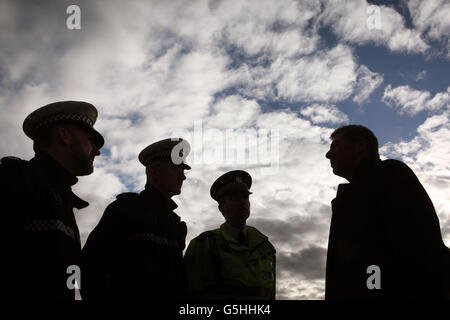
(59, 176)
(234, 232)
(153, 194)
(77, 202)
(54, 170)
(254, 237)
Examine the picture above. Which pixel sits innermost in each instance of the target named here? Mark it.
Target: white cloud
(349, 20)
(327, 76)
(439, 100)
(305, 80)
(410, 101)
(274, 28)
(428, 156)
(234, 112)
(305, 290)
(324, 113)
(431, 17)
(98, 189)
(367, 82)
(406, 99)
(421, 75)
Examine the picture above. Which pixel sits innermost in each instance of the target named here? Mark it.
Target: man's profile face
(235, 207)
(344, 155)
(169, 177)
(83, 150)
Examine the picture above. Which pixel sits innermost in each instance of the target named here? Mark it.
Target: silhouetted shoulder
(261, 236)
(12, 165)
(127, 196)
(118, 216)
(16, 174)
(124, 205)
(394, 164)
(204, 235)
(396, 168)
(11, 160)
(270, 245)
(256, 232)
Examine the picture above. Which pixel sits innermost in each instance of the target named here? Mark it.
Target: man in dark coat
(40, 243)
(136, 250)
(385, 240)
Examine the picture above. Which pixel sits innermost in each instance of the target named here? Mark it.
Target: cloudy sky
(255, 85)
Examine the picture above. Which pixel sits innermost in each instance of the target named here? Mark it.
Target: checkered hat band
(65, 117)
(46, 225)
(158, 155)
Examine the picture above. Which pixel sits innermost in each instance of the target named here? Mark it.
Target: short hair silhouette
(356, 132)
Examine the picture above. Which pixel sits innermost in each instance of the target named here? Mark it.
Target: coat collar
(58, 176)
(363, 175)
(234, 232)
(365, 169)
(254, 237)
(53, 170)
(152, 194)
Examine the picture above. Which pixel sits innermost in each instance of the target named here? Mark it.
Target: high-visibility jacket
(218, 266)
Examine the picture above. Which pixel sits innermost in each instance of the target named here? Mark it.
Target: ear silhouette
(64, 135)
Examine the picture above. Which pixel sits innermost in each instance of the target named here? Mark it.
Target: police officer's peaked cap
(173, 149)
(230, 182)
(76, 112)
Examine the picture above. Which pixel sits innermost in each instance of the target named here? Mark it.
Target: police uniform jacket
(218, 266)
(384, 219)
(40, 235)
(136, 250)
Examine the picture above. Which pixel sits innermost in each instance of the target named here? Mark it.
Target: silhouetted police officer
(235, 261)
(385, 240)
(136, 250)
(40, 235)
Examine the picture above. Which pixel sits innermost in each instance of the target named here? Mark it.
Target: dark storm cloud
(298, 229)
(308, 263)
